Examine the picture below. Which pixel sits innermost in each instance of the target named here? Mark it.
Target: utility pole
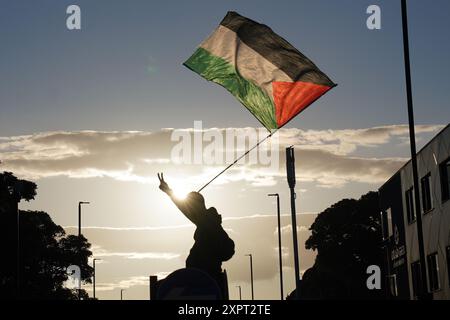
(290, 169)
(412, 139)
(93, 279)
(240, 292)
(79, 244)
(79, 216)
(251, 274)
(16, 200)
(16, 194)
(280, 253)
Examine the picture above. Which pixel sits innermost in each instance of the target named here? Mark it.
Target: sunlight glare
(180, 191)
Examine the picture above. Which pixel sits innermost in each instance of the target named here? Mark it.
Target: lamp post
(251, 274)
(79, 216)
(18, 269)
(79, 242)
(280, 261)
(93, 278)
(240, 292)
(290, 170)
(16, 195)
(423, 294)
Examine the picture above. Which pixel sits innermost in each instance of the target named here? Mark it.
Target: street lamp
(279, 241)
(291, 178)
(79, 242)
(79, 216)
(121, 293)
(251, 274)
(240, 292)
(93, 280)
(16, 191)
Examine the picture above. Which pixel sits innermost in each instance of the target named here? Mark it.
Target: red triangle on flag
(290, 98)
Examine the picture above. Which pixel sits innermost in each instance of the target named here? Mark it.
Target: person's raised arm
(184, 208)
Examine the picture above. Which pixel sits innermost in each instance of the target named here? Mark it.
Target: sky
(88, 115)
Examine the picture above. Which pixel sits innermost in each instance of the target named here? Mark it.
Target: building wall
(436, 223)
(394, 245)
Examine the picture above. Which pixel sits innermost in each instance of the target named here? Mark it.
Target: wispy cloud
(123, 284)
(73, 229)
(288, 229)
(345, 141)
(327, 156)
(99, 252)
(139, 255)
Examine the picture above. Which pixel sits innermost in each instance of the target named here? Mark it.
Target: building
(402, 265)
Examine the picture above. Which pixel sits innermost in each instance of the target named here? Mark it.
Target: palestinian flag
(271, 78)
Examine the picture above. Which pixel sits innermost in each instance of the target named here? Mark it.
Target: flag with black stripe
(271, 78)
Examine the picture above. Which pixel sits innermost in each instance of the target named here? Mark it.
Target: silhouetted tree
(347, 238)
(45, 250)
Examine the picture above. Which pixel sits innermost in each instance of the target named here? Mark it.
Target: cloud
(122, 284)
(327, 155)
(346, 141)
(288, 229)
(74, 229)
(100, 253)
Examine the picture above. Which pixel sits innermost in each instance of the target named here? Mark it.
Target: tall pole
(79, 221)
(79, 244)
(93, 279)
(290, 169)
(423, 267)
(240, 292)
(121, 293)
(79, 217)
(280, 260)
(16, 195)
(251, 274)
(17, 218)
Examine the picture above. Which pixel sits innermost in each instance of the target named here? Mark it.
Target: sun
(180, 191)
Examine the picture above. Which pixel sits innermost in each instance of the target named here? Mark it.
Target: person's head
(196, 201)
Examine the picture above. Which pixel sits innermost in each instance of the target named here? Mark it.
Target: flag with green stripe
(271, 78)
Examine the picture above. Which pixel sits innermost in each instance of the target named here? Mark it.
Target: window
(393, 285)
(444, 170)
(448, 264)
(389, 221)
(386, 223)
(416, 276)
(433, 271)
(410, 211)
(425, 183)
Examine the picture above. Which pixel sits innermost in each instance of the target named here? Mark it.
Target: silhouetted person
(212, 244)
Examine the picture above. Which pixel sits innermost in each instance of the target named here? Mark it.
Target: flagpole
(235, 161)
(423, 267)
